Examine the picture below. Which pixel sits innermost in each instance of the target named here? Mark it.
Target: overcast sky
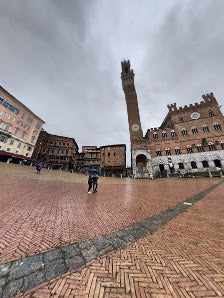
(62, 59)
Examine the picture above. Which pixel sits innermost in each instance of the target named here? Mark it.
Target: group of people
(92, 182)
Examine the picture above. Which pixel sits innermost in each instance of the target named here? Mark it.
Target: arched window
(193, 165)
(194, 130)
(164, 135)
(181, 166)
(217, 163)
(217, 126)
(211, 146)
(168, 152)
(205, 128)
(200, 148)
(173, 134)
(222, 144)
(189, 149)
(177, 151)
(184, 132)
(205, 164)
(155, 136)
(158, 152)
(210, 113)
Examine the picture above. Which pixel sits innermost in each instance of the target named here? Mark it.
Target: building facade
(19, 127)
(55, 151)
(113, 159)
(79, 161)
(190, 139)
(91, 157)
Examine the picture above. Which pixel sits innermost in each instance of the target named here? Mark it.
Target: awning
(14, 155)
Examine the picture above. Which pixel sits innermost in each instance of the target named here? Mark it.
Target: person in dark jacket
(90, 183)
(95, 178)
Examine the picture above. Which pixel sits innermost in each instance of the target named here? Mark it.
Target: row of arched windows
(184, 131)
(189, 149)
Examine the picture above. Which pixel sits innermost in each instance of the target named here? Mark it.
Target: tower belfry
(127, 77)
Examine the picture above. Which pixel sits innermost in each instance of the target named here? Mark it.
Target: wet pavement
(46, 212)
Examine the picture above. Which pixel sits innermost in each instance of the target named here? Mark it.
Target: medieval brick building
(113, 159)
(191, 138)
(55, 151)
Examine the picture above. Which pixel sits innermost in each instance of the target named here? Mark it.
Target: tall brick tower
(127, 77)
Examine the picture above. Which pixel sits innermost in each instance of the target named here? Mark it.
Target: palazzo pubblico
(190, 139)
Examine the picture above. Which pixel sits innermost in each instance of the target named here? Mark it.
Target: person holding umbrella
(93, 179)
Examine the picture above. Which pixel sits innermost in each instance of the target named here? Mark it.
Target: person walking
(95, 184)
(90, 183)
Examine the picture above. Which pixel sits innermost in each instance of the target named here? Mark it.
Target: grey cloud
(62, 59)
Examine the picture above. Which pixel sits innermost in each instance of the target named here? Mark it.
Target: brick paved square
(42, 212)
(185, 258)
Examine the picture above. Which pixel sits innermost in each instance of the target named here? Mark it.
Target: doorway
(141, 161)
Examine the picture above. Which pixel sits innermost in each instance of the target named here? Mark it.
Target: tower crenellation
(127, 74)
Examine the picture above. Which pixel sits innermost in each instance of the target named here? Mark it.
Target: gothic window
(158, 152)
(211, 114)
(173, 134)
(189, 149)
(205, 128)
(200, 148)
(193, 165)
(184, 132)
(181, 166)
(217, 126)
(222, 144)
(211, 146)
(205, 164)
(217, 163)
(155, 136)
(168, 152)
(194, 130)
(177, 151)
(164, 135)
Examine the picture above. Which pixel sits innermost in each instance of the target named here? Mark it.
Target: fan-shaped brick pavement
(41, 212)
(185, 258)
